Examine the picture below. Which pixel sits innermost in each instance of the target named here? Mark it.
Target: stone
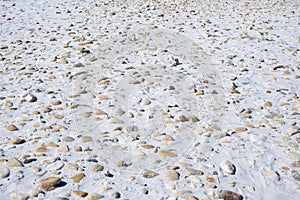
(191, 198)
(86, 139)
(49, 183)
(14, 162)
(227, 167)
(165, 153)
(19, 196)
(78, 177)
(228, 195)
(30, 98)
(180, 118)
(16, 140)
(4, 172)
(12, 127)
(171, 175)
(296, 175)
(79, 193)
(149, 174)
(94, 196)
(95, 167)
(34, 193)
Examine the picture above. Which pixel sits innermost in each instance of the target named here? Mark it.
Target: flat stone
(14, 162)
(165, 153)
(79, 193)
(78, 177)
(94, 196)
(171, 175)
(4, 171)
(49, 183)
(149, 174)
(16, 140)
(228, 195)
(12, 127)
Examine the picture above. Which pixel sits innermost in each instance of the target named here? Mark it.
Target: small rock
(63, 148)
(228, 195)
(95, 167)
(79, 193)
(191, 198)
(171, 175)
(149, 174)
(78, 177)
(30, 98)
(272, 174)
(34, 193)
(165, 153)
(296, 175)
(193, 118)
(296, 164)
(12, 127)
(4, 172)
(86, 139)
(14, 162)
(49, 183)
(180, 118)
(227, 167)
(20, 196)
(16, 140)
(240, 129)
(94, 196)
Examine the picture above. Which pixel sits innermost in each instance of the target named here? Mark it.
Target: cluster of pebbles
(149, 99)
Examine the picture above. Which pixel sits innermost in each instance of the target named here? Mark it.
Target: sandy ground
(149, 99)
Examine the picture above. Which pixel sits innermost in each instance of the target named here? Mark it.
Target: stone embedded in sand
(14, 162)
(228, 195)
(94, 196)
(147, 146)
(296, 175)
(68, 139)
(296, 164)
(95, 167)
(168, 138)
(165, 153)
(191, 198)
(227, 167)
(190, 172)
(274, 175)
(86, 139)
(46, 109)
(19, 196)
(78, 177)
(55, 102)
(239, 129)
(149, 174)
(4, 172)
(79, 193)
(180, 118)
(193, 118)
(12, 127)
(267, 104)
(30, 98)
(16, 140)
(49, 183)
(41, 149)
(171, 175)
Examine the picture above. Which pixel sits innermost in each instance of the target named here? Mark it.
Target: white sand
(204, 94)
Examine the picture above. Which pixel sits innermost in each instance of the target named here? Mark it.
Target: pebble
(227, 167)
(49, 183)
(95, 167)
(79, 193)
(12, 127)
(191, 198)
(171, 175)
(94, 196)
(16, 140)
(272, 174)
(86, 139)
(228, 195)
(295, 175)
(78, 177)
(14, 162)
(4, 171)
(34, 193)
(19, 196)
(149, 174)
(30, 98)
(165, 153)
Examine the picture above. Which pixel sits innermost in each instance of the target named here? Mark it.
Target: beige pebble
(193, 118)
(99, 112)
(19, 196)
(168, 138)
(14, 162)
(191, 198)
(171, 175)
(86, 139)
(34, 193)
(165, 153)
(147, 146)
(67, 139)
(79, 193)
(36, 169)
(63, 148)
(16, 140)
(46, 109)
(41, 149)
(239, 129)
(190, 172)
(78, 177)
(49, 183)
(296, 164)
(228, 195)
(149, 174)
(12, 127)
(94, 196)
(180, 193)
(55, 102)
(77, 148)
(95, 167)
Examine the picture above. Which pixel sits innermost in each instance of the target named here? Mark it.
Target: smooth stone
(95, 167)
(78, 177)
(12, 127)
(14, 162)
(4, 172)
(49, 183)
(20, 196)
(228, 195)
(227, 167)
(94, 196)
(149, 174)
(30, 98)
(79, 193)
(165, 153)
(16, 140)
(171, 175)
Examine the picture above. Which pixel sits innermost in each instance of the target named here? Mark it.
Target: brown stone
(78, 177)
(228, 195)
(49, 183)
(79, 193)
